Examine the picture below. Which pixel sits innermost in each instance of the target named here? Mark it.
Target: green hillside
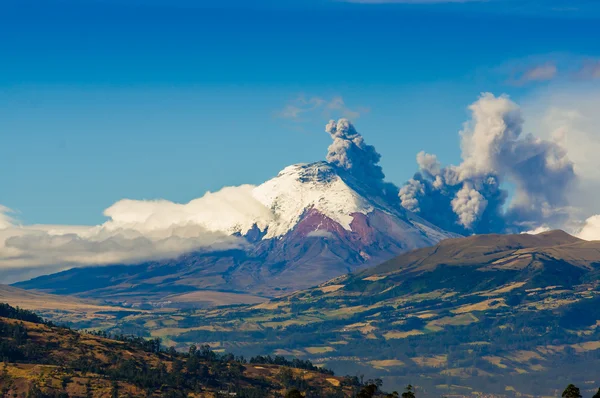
(40, 359)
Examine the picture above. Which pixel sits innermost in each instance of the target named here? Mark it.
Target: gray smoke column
(349, 152)
(468, 198)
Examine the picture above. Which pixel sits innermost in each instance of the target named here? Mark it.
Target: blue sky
(104, 100)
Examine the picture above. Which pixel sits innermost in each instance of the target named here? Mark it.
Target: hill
(61, 309)
(499, 314)
(322, 221)
(43, 360)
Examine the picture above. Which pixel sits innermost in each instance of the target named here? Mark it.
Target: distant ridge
(484, 249)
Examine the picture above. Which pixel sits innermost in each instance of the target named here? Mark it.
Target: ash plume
(350, 152)
(471, 197)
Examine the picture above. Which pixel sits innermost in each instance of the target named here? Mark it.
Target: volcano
(322, 220)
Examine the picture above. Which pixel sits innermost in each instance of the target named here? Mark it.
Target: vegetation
(524, 338)
(43, 360)
(571, 392)
(6, 311)
(409, 392)
(294, 363)
(485, 314)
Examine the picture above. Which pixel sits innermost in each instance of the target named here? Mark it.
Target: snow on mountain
(301, 187)
(273, 207)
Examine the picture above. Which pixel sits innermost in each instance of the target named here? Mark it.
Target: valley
(498, 314)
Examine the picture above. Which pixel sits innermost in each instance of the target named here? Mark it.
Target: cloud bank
(472, 197)
(136, 231)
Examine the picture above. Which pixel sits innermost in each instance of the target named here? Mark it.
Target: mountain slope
(72, 310)
(499, 314)
(41, 359)
(322, 222)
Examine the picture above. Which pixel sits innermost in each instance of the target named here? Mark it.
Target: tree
(294, 393)
(367, 391)
(597, 395)
(571, 392)
(34, 392)
(88, 389)
(115, 389)
(65, 381)
(286, 376)
(409, 392)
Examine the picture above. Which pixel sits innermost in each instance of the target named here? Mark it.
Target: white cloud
(549, 68)
(5, 220)
(539, 73)
(590, 70)
(230, 210)
(535, 69)
(591, 229)
(569, 116)
(38, 246)
(296, 109)
(305, 108)
(538, 230)
(136, 231)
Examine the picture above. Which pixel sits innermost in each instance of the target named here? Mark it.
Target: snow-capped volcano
(298, 188)
(325, 219)
(319, 188)
(310, 223)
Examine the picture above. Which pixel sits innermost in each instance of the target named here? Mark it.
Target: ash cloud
(471, 197)
(350, 152)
